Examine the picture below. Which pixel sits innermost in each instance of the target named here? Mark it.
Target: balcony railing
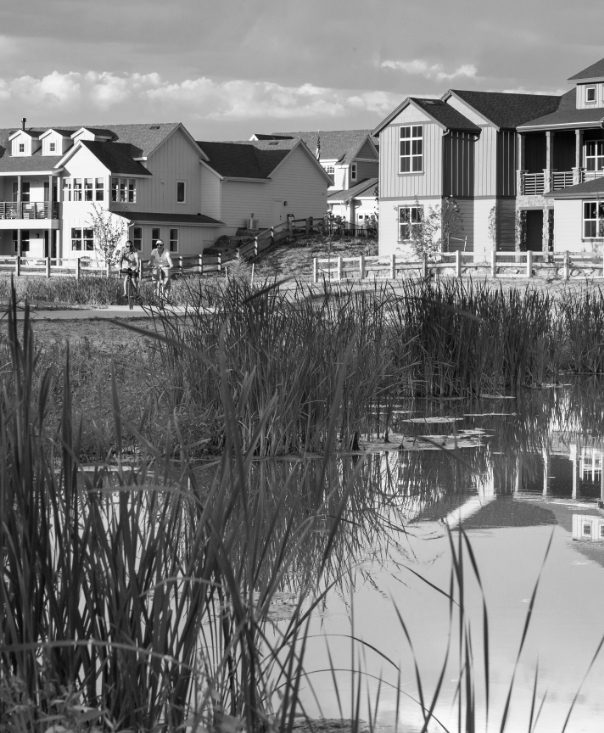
(533, 184)
(562, 179)
(591, 175)
(28, 210)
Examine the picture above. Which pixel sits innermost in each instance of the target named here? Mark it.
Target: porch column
(578, 156)
(51, 197)
(549, 161)
(521, 148)
(19, 200)
(351, 210)
(19, 242)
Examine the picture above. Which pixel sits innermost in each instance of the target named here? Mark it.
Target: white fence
(559, 265)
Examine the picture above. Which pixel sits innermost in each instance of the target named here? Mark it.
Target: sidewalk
(93, 313)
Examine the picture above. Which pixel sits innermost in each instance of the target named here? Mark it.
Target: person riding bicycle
(161, 262)
(128, 259)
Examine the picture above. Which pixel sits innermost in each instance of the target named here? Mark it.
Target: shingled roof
(366, 185)
(566, 115)
(154, 216)
(508, 110)
(339, 145)
(249, 159)
(594, 71)
(117, 157)
(594, 187)
(445, 114)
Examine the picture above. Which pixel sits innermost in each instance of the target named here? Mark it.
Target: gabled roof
(581, 190)
(32, 132)
(260, 136)
(339, 145)
(442, 113)
(365, 186)
(242, 160)
(566, 115)
(505, 109)
(594, 71)
(116, 157)
(97, 131)
(63, 133)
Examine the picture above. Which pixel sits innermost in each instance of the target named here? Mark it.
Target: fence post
(219, 262)
(315, 269)
(77, 268)
(566, 271)
(425, 266)
(255, 246)
(529, 263)
(17, 266)
(339, 270)
(458, 264)
(392, 267)
(48, 267)
(200, 263)
(493, 264)
(272, 235)
(362, 267)
(140, 271)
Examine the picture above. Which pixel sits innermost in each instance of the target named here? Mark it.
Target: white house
(263, 180)
(149, 175)
(356, 205)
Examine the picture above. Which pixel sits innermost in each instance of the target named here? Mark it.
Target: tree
(493, 227)
(109, 230)
(451, 226)
(432, 231)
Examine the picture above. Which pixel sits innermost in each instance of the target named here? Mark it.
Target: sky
(229, 68)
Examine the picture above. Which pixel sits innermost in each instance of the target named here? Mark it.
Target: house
(356, 205)
(348, 156)
(463, 148)
(261, 180)
(147, 176)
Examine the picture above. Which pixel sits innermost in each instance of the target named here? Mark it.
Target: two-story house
(351, 159)
(147, 176)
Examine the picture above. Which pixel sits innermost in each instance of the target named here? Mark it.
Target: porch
(536, 184)
(28, 210)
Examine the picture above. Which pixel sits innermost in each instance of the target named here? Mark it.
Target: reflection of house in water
(588, 527)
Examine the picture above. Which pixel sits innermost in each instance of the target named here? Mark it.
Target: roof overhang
(242, 179)
(16, 133)
(402, 106)
(50, 131)
(487, 121)
(143, 218)
(593, 124)
(306, 150)
(54, 172)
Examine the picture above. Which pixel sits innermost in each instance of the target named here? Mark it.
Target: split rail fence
(559, 265)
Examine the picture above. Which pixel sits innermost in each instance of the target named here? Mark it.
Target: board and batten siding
(297, 181)
(568, 228)
(458, 164)
(506, 225)
(211, 189)
(506, 163)
(394, 184)
(464, 241)
(177, 159)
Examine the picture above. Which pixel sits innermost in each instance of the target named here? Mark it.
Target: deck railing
(562, 179)
(533, 184)
(28, 210)
(591, 175)
(558, 265)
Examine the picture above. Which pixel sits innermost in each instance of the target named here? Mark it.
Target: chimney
(23, 121)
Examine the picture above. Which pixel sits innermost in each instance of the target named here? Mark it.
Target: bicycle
(162, 283)
(132, 293)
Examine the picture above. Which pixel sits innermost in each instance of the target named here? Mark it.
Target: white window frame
(99, 189)
(82, 239)
(411, 149)
(123, 190)
(153, 237)
(67, 184)
(184, 191)
(330, 169)
(589, 89)
(593, 219)
(173, 240)
(21, 147)
(25, 241)
(52, 147)
(78, 189)
(353, 171)
(137, 238)
(409, 216)
(597, 157)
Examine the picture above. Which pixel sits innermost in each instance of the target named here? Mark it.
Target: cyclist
(161, 262)
(128, 259)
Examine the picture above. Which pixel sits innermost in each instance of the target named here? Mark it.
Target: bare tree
(109, 230)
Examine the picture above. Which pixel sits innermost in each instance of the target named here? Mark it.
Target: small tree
(109, 230)
(520, 230)
(493, 227)
(451, 223)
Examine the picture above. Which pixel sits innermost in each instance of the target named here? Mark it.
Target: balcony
(28, 210)
(536, 184)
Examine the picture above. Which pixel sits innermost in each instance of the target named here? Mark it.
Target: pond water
(513, 474)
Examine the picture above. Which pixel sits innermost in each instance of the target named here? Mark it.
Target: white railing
(560, 265)
(562, 179)
(590, 175)
(28, 210)
(533, 184)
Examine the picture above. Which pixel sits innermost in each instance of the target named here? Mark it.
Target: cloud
(202, 97)
(431, 71)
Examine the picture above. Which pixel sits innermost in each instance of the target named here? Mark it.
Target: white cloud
(435, 72)
(202, 97)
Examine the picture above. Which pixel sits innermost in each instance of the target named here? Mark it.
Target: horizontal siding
(506, 163)
(466, 208)
(568, 227)
(366, 151)
(506, 225)
(367, 170)
(458, 164)
(211, 187)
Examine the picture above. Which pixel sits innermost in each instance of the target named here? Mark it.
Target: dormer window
(21, 147)
(53, 147)
(590, 94)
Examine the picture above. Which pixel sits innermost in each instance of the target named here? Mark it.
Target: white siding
(389, 223)
(211, 188)
(483, 245)
(568, 227)
(466, 208)
(581, 96)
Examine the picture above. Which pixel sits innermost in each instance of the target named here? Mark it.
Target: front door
(534, 230)
(278, 212)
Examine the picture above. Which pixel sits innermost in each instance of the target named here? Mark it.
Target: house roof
(508, 110)
(581, 190)
(249, 159)
(366, 185)
(117, 157)
(339, 145)
(260, 136)
(566, 115)
(438, 110)
(591, 72)
(99, 131)
(151, 216)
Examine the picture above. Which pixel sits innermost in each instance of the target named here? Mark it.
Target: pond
(513, 475)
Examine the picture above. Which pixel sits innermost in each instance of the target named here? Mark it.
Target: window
(173, 240)
(602, 531)
(82, 240)
(331, 171)
(353, 172)
(88, 189)
(137, 238)
(77, 189)
(155, 235)
(67, 189)
(590, 94)
(412, 151)
(181, 192)
(52, 147)
(594, 155)
(24, 240)
(25, 191)
(123, 190)
(21, 147)
(99, 189)
(593, 219)
(409, 217)
(586, 529)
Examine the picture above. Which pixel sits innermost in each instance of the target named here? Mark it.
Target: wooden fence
(559, 265)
